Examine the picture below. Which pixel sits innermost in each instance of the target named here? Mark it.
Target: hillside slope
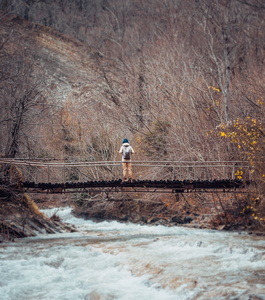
(65, 61)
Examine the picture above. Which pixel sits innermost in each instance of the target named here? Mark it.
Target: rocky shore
(20, 217)
(152, 212)
(155, 213)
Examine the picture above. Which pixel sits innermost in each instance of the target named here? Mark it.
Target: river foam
(111, 260)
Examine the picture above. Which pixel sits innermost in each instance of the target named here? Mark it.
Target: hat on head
(125, 141)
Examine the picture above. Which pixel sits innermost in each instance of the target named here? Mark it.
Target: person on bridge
(127, 152)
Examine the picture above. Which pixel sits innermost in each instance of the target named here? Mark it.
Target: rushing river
(112, 260)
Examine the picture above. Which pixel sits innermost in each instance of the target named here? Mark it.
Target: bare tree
(21, 95)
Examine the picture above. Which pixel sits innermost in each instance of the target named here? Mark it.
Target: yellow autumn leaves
(239, 174)
(247, 133)
(253, 211)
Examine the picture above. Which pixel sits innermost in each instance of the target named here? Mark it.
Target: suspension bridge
(52, 176)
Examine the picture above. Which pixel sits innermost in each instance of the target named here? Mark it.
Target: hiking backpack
(127, 152)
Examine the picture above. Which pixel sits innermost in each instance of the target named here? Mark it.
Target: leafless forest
(168, 75)
(182, 80)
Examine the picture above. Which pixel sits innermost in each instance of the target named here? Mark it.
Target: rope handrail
(66, 171)
(115, 163)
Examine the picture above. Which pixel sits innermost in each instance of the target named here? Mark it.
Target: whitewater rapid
(111, 260)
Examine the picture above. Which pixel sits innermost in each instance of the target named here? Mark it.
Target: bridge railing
(187, 170)
(62, 172)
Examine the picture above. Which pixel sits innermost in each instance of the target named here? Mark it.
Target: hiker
(127, 152)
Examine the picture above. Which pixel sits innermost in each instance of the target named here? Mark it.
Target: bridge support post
(120, 170)
(48, 173)
(249, 173)
(63, 174)
(233, 170)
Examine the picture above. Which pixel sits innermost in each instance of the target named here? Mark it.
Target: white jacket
(121, 150)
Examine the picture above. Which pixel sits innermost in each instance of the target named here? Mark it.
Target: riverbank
(166, 209)
(20, 217)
